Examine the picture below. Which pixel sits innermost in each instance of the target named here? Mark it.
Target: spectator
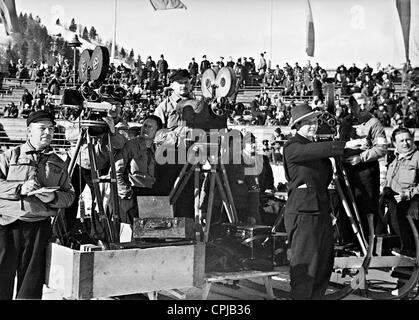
(262, 66)
(27, 98)
(230, 62)
(11, 110)
(193, 71)
(162, 68)
(54, 84)
(12, 69)
(205, 64)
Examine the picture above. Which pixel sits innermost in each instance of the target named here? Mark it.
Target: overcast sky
(346, 30)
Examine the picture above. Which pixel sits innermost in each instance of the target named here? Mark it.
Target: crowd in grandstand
(146, 85)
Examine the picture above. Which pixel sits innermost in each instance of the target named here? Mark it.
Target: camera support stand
(111, 223)
(218, 176)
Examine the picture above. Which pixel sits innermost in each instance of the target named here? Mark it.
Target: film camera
(94, 99)
(211, 111)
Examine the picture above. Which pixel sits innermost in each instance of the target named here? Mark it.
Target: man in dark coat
(193, 71)
(205, 64)
(308, 223)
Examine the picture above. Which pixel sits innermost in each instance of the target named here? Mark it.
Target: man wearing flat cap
(308, 224)
(34, 184)
(181, 86)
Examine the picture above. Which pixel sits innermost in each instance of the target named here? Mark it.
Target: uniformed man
(34, 184)
(308, 223)
(362, 166)
(181, 86)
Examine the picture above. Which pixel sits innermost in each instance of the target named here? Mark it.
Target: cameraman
(181, 86)
(82, 171)
(308, 223)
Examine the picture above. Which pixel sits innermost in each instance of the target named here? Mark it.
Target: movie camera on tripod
(95, 98)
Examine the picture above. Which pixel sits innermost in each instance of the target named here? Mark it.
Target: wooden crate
(99, 274)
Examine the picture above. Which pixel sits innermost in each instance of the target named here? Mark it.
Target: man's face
(149, 129)
(181, 87)
(403, 142)
(40, 133)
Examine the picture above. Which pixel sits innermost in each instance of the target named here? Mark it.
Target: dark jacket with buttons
(308, 171)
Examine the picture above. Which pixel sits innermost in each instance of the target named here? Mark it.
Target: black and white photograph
(215, 156)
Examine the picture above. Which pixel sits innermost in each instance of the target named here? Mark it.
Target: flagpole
(114, 34)
(270, 50)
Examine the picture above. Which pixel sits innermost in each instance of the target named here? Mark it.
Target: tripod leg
(177, 190)
(228, 192)
(224, 199)
(352, 199)
(114, 192)
(76, 152)
(350, 216)
(59, 221)
(197, 195)
(210, 204)
(99, 202)
(178, 180)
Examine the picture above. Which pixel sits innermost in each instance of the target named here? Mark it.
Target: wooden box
(164, 228)
(100, 274)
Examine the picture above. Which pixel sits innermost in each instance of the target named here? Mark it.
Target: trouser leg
(8, 260)
(31, 269)
(402, 225)
(311, 262)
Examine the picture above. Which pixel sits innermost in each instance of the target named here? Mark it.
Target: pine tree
(85, 34)
(92, 33)
(123, 53)
(130, 59)
(73, 25)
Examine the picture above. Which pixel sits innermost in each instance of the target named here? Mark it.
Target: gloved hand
(413, 209)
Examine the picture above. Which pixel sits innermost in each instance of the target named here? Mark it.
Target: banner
(167, 4)
(310, 31)
(404, 11)
(8, 16)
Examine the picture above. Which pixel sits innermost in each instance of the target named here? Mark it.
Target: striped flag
(404, 11)
(310, 31)
(167, 4)
(8, 16)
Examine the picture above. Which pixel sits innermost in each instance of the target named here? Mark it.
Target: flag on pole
(167, 4)
(8, 16)
(310, 31)
(404, 11)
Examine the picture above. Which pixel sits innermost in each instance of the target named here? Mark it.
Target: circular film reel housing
(100, 64)
(226, 82)
(207, 81)
(84, 64)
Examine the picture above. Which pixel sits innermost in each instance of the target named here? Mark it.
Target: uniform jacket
(18, 166)
(309, 172)
(135, 166)
(403, 174)
(371, 129)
